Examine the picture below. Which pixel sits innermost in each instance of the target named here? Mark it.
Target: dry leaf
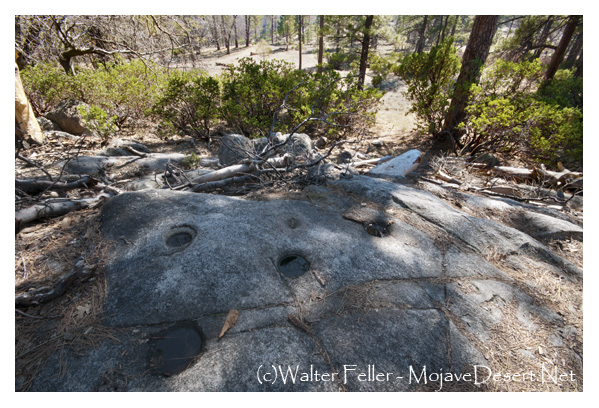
(229, 322)
(83, 310)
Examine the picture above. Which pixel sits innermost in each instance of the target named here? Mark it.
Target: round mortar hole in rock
(293, 266)
(180, 237)
(174, 350)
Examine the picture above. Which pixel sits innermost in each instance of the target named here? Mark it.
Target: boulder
(118, 147)
(67, 117)
(234, 148)
(47, 125)
(377, 310)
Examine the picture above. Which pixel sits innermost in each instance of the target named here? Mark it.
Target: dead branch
(81, 271)
(54, 208)
(37, 186)
(446, 177)
(378, 161)
(223, 173)
(538, 174)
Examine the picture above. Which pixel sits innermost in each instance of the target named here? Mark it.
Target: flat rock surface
(369, 313)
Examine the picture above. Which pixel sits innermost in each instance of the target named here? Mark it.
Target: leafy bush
(381, 67)
(564, 89)
(341, 61)
(252, 92)
(46, 85)
(189, 102)
(430, 77)
(340, 100)
(508, 111)
(96, 119)
(125, 90)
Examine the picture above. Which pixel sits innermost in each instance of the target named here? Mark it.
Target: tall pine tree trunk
(574, 50)
(215, 33)
(558, 55)
(235, 30)
(364, 54)
(247, 31)
(226, 37)
(300, 21)
(455, 24)
(473, 60)
(578, 73)
(543, 37)
(421, 39)
(320, 42)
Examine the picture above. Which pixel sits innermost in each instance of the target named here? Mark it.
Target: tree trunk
(235, 31)
(455, 24)
(299, 37)
(421, 39)
(272, 29)
(574, 50)
(226, 35)
(25, 119)
(444, 28)
(558, 55)
(473, 60)
(320, 42)
(439, 24)
(247, 31)
(578, 73)
(364, 54)
(543, 37)
(215, 33)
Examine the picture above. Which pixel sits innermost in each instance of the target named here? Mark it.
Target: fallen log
(37, 186)
(223, 173)
(538, 174)
(81, 271)
(53, 208)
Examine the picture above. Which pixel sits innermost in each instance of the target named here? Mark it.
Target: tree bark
(235, 30)
(455, 24)
(558, 55)
(421, 40)
(300, 20)
(247, 31)
(215, 33)
(473, 60)
(25, 119)
(574, 50)
(578, 73)
(320, 42)
(272, 29)
(543, 37)
(364, 54)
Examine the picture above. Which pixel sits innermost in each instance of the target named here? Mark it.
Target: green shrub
(507, 110)
(341, 61)
(381, 67)
(430, 77)
(124, 90)
(96, 119)
(564, 90)
(189, 102)
(46, 85)
(253, 91)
